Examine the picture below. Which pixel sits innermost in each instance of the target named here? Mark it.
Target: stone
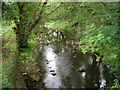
(24, 74)
(52, 70)
(35, 77)
(82, 69)
(95, 85)
(53, 73)
(46, 60)
(49, 67)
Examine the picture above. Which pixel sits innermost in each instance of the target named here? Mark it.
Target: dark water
(61, 59)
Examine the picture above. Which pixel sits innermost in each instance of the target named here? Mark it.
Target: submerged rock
(46, 60)
(82, 69)
(53, 73)
(49, 67)
(95, 85)
(47, 63)
(52, 70)
(68, 77)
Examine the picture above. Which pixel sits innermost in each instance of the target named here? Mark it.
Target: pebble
(53, 74)
(52, 70)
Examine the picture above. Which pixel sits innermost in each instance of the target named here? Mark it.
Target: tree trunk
(24, 27)
(22, 44)
(22, 39)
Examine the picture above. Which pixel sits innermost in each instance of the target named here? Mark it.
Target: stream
(65, 66)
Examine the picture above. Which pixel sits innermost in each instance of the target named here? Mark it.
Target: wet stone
(46, 60)
(49, 67)
(82, 69)
(52, 70)
(95, 85)
(54, 74)
(68, 77)
(24, 73)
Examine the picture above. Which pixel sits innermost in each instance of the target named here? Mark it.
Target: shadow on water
(66, 66)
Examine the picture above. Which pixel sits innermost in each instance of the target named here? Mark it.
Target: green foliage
(5, 82)
(96, 25)
(6, 72)
(85, 50)
(7, 31)
(10, 53)
(12, 12)
(26, 57)
(9, 45)
(104, 38)
(32, 40)
(116, 84)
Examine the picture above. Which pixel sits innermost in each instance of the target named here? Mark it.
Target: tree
(26, 16)
(97, 27)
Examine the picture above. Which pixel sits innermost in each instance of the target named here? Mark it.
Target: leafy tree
(26, 16)
(96, 25)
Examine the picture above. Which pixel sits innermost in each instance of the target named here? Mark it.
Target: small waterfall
(102, 79)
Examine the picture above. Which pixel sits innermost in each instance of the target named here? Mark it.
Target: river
(65, 66)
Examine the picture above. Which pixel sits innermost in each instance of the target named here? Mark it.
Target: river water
(62, 61)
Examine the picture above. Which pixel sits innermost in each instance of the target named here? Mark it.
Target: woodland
(95, 25)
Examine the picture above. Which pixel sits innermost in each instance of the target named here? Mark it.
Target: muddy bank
(32, 75)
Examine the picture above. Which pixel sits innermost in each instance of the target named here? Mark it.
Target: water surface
(61, 59)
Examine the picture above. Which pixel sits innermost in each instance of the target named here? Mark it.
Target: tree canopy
(95, 24)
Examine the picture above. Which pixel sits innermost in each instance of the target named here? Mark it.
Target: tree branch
(54, 10)
(38, 19)
(20, 7)
(106, 7)
(36, 10)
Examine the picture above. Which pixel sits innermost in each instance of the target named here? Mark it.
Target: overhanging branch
(38, 19)
(54, 10)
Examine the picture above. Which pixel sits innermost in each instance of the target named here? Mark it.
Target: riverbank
(58, 55)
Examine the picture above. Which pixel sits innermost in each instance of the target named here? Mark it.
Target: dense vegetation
(96, 25)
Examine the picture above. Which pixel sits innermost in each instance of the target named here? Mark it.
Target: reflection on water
(50, 65)
(102, 79)
(62, 62)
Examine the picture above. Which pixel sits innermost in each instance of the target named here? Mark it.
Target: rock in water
(82, 69)
(95, 85)
(46, 60)
(53, 73)
(52, 70)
